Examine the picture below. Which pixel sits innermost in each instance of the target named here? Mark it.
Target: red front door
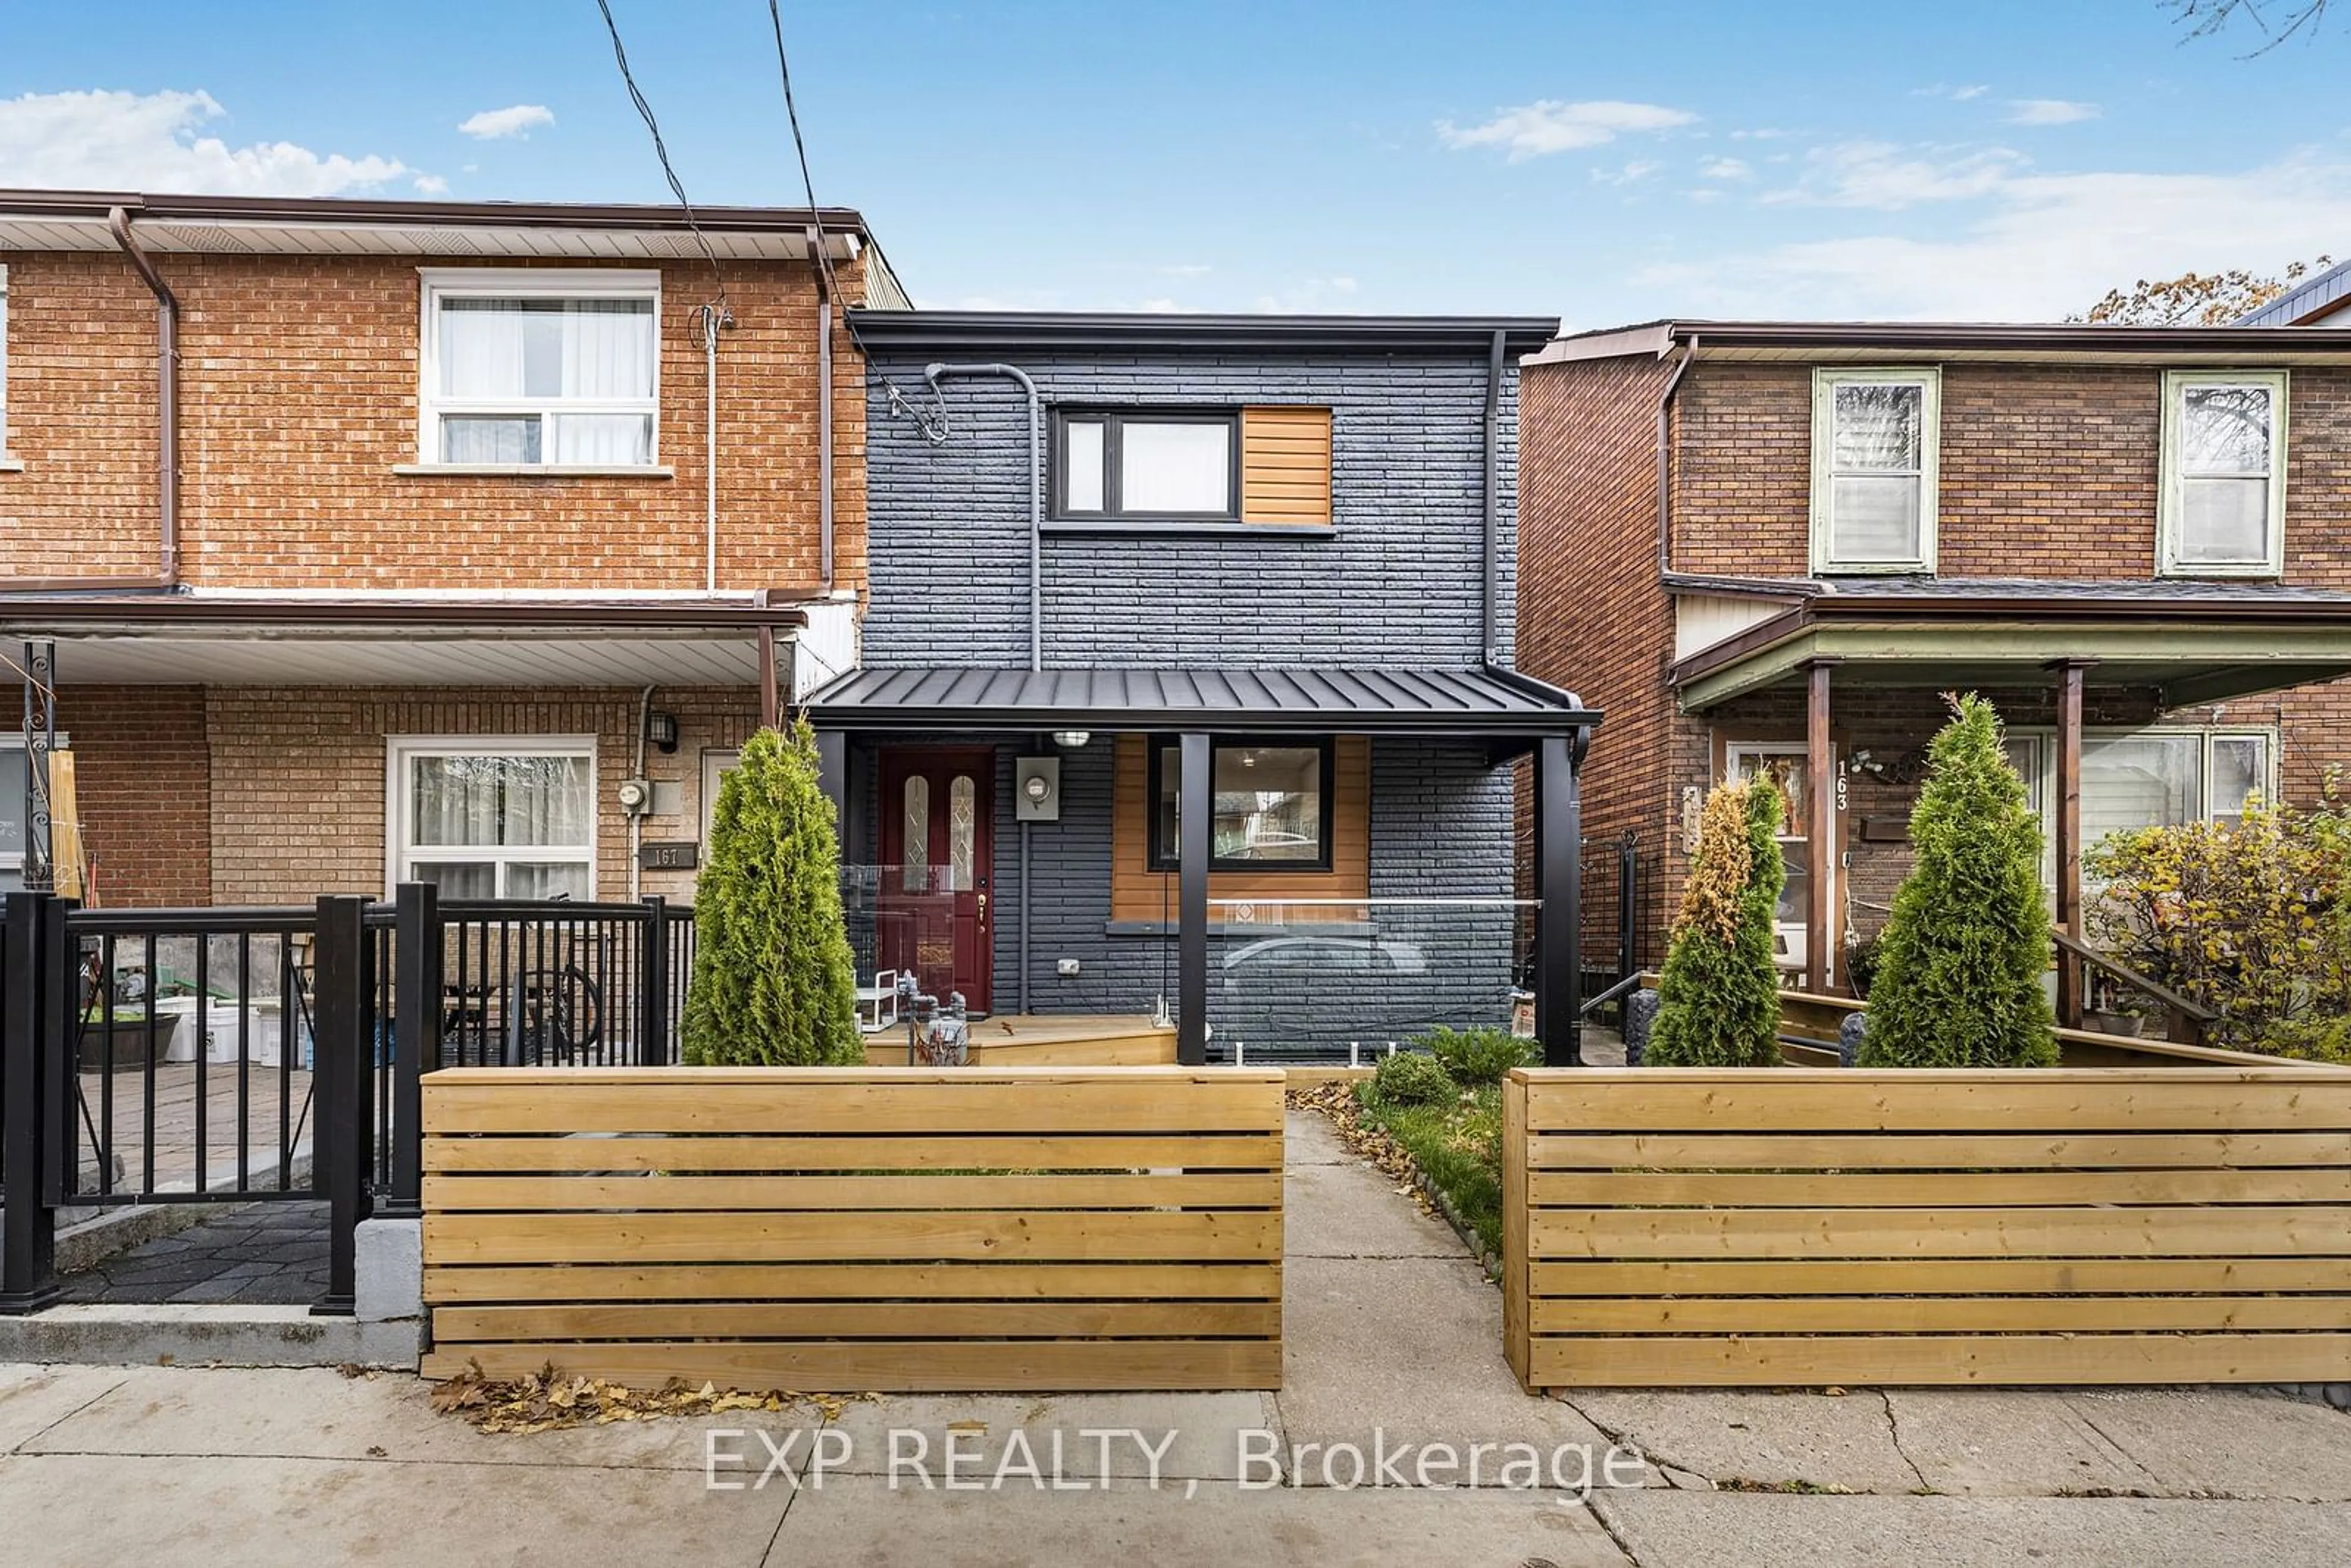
(938, 821)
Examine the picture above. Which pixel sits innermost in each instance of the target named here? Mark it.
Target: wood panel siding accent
(1285, 465)
(822, 1228)
(1139, 893)
(1836, 1226)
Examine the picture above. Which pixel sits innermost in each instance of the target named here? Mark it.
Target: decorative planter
(129, 1041)
(2128, 1025)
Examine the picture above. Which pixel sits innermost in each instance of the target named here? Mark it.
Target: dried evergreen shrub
(1719, 995)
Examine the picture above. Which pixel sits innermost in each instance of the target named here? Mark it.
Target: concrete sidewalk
(1394, 1339)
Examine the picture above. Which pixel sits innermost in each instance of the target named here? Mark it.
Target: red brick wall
(298, 398)
(1592, 615)
(142, 776)
(298, 775)
(2047, 471)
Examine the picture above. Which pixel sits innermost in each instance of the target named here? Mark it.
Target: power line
(660, 150)
(792, 113)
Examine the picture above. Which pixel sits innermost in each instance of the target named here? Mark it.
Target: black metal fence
(247, 1055)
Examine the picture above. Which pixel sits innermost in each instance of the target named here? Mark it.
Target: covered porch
(2125, 704)
(1186, 842)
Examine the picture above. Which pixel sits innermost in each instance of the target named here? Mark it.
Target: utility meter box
(1037, 789)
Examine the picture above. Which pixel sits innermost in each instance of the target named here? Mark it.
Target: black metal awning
(1485, 703)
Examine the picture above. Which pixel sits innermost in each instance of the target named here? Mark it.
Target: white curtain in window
(1875, 484)
(1175, 468)
(483, 348)
(608, 349)
(499, 800)
(2140, 781)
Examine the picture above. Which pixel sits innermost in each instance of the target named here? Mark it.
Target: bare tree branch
(2203, 18)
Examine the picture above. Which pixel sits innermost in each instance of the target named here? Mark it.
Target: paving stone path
(259, 1252)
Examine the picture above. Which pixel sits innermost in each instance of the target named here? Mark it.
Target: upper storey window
(531, 368)
(1876, 447)
(2223, 498)
(1260, 465)
(1148, 464)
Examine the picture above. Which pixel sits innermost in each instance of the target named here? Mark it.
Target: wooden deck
(1037, 1039)
(268, 1096)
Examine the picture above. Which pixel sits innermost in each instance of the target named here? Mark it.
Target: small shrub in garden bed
(1409, 1078)
(1482, 1054)
(1962, 955)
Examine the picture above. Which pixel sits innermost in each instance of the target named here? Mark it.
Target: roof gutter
(167, 437)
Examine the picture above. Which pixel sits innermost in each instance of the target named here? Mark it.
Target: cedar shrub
(1960, 961)
(773, 984)
(1719, 995)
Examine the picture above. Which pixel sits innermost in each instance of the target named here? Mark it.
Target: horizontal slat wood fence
(1669, 1226)
(901, 1229)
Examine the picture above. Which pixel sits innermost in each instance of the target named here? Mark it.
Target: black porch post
(1193, 831)
(29, 1231)
(832, 778)
(1559, 924)
(343, 1156)
(415, 1035)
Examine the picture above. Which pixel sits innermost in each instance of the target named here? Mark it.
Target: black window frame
(1162, 857)
(1113, 421)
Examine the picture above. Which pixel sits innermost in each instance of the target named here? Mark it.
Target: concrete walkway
(1394, 1339)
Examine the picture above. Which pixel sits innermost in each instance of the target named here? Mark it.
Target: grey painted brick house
(1135, 572)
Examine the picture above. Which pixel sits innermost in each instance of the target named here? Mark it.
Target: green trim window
(2224, 498)
(1876, 450)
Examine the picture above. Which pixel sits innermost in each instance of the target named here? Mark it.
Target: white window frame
(2170, 506)
(1826, 378)
(1794, 937)
(399, 847)
(2044, 788)
(437, 284)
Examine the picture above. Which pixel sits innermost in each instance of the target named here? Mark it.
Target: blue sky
(1604, 162)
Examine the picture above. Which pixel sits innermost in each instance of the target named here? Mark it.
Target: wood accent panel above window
(1285, 465)
(1140, 894)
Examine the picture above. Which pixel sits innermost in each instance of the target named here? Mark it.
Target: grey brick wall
(1396, 581)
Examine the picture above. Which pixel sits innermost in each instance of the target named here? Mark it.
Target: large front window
(2156, 778)
(1269, 806)
(496, 819)
(1874, 453)
(1145, 464)
(526, 368)
(2223, 473)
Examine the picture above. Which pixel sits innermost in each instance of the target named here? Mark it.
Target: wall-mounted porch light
(661, 729)
(1071, 739)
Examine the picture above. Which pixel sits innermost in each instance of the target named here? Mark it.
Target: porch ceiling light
(1071, 739)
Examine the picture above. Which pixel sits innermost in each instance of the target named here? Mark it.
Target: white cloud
(1726, 169)
(1161, 306)
(516, 120)
(1187, 269)
(2049, 245)
(1639, 169)
(1534, 129)
(1882, 174)
(1768, 133)
(1956, 94)
(148, 141)
(431, 185)
(2049, 111)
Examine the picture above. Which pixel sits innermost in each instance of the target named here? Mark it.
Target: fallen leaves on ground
(1338, 1102)
(550, 1400)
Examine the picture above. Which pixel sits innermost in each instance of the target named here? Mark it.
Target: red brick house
(383, 540)
(1769, 546)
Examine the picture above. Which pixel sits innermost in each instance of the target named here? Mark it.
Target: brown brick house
(1769, 547)
(361, 541)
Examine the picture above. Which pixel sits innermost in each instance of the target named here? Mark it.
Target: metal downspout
(935, 373)
(167, 439)
(823, 407)
(1666, 458)
(1489, 611)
